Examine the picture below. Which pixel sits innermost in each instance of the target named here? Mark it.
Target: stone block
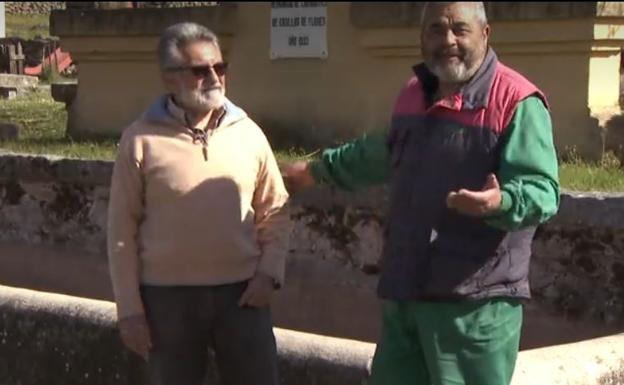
(60, 340)
(18, 81)
(577, 272)
(138, 21)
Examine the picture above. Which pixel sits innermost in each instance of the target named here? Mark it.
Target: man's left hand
(477, 203)
(259, 291)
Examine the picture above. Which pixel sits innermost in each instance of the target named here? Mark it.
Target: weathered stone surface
(590, 209)
(54, 201)
(32, 7)
(174, 4)
(54, 339)
(18, 81)
(578, 267)
(9, 131)
(138, 4)
(408, 14)
(46, 169)
(59, 340)
(138, 22)
(593, 362)
(577, 270)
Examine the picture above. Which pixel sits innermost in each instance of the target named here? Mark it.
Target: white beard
(201, 101)
(451, 74)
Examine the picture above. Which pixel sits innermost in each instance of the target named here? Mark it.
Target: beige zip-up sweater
(176, 218)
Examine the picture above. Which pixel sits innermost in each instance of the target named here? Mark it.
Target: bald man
(472, 171)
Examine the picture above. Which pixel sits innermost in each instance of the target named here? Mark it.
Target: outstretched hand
(297, 176)
(477, 203)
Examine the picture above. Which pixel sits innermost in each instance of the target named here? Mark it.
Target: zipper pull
(205, 152)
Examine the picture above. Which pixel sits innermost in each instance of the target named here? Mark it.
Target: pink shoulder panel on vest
(411, 99)
(508, 89)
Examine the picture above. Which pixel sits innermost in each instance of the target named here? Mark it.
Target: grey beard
(452, 74)
(197, 100)
(459, 73)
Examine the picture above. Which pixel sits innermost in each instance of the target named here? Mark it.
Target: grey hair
(175, 37)
(479, 10)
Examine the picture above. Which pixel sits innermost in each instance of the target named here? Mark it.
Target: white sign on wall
(298, 30)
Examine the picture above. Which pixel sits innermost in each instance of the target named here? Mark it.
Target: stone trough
(52, 238)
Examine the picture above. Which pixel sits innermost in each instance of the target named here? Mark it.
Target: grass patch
(286, 156)
(27, 26)
(43, 128)
(585, 177)
(50, 75)
(606, 175)
(43, 124)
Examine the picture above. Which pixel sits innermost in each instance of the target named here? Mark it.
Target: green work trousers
(467, 343)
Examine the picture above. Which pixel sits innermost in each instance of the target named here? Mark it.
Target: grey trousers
(186, 320)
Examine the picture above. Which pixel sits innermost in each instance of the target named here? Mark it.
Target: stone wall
(174, 4)
(43, 7)
(32, 7)
(59, 340)
(577, 273)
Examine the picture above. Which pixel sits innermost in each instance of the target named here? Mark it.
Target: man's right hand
(135, 334)
(297, 176)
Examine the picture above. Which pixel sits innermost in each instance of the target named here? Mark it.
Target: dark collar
(475, 93)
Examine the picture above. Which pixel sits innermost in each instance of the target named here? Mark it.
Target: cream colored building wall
(321, 101)
(117, 78)
(555, 55)
(354, 89)
(348, 93)
(111, 95)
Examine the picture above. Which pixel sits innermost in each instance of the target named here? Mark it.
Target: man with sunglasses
(197, 226)
(472, 171)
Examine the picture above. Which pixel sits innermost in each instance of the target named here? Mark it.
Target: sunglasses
(220, 69)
